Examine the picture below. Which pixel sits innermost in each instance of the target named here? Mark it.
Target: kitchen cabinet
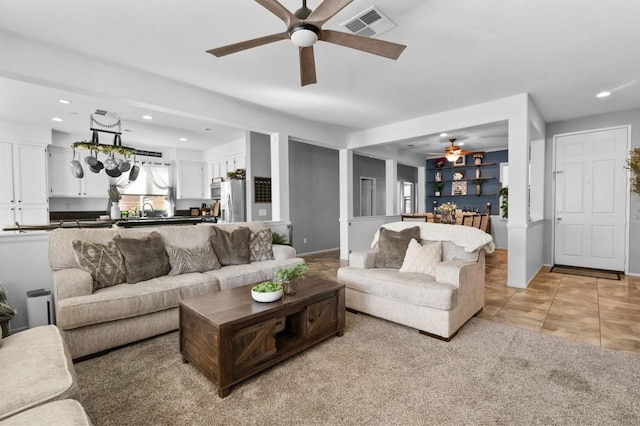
(191, 181)
(221, 166)
(62, 183)
(23, 187)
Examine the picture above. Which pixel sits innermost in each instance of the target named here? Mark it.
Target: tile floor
(594, 311)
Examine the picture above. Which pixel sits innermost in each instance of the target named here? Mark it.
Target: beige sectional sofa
(437, 304)
(92, 321)
(38, 380)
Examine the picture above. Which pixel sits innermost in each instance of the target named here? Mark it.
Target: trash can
(40, 308)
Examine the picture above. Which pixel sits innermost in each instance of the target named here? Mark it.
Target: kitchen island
(120, 223)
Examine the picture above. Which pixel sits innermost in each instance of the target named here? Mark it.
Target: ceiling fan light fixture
(304, 35)
(451, 156)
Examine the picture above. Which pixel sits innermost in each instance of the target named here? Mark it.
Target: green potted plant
(266, 291)
(633, 163)
(503, 191)
(278, 238)
(114, 198)
(288, 277)
(437, 187)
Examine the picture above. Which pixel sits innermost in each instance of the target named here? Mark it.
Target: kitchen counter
(121, 223)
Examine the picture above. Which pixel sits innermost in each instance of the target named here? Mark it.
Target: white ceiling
(460, 52)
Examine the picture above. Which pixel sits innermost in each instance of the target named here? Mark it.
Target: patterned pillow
(144, 258)
(422, 259)
(260, 245)
(232, 248)
(103, 261)
(196, 259)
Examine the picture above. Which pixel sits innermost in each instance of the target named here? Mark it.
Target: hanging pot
(76, 167)
(91, 159)
(133, 174)
(113, 172)
(124, 165)
(110, 163)
(98, 166)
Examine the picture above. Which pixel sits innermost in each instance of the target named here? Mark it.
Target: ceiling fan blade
(369, 45)
(326, 10)
(307, 66)
(248, 44)
(280, 11)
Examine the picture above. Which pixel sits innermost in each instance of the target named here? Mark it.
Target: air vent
(109, 114)
(370, 23)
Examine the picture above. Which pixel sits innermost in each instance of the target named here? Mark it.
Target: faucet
(143, 214)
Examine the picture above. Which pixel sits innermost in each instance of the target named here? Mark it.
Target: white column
(280, 177)
(346, 200)
(422, 190)
(391, 178)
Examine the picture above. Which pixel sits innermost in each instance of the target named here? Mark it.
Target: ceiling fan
(453, 152)
(304, 28)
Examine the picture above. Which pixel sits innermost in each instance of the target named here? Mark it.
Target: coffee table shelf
(229, 337)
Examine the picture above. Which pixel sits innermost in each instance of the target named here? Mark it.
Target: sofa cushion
(422, 259)
(35, 369)
(67, 412)
(195, 259)
(144, 258)
(125, 301)
(392, 246)
(231, 248)
(260, 245)
(413, 289)
(103, 261)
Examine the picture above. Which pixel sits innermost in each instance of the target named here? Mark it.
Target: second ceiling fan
(304, 29)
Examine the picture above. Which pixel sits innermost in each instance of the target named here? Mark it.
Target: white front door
(591, 188)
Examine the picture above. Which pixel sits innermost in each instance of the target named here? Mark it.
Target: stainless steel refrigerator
(233, 201)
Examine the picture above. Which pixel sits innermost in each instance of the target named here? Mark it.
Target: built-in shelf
(460, 180)
(466, 165)
(464, 195)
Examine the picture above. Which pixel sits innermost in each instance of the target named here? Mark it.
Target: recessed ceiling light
(603, 94)
(443, 135)
(64, 101)
(147, 117)
(58, 119)
(183, 139)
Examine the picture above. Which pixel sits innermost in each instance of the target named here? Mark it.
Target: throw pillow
(392, 246)
(103, 261)
(196, 259)
(260, 245)
(422, 259)
(144, 258)
(231, 248)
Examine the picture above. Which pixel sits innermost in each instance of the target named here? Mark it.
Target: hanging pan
(76, 167)
(135, 169)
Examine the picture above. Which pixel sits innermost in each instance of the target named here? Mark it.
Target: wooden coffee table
(230, 337)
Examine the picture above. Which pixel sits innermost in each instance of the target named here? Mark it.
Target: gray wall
(373, 168)
(260, 167)
(622, 118)
(407, 173)
(314, 197)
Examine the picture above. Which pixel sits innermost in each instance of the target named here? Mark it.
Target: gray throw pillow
(195, 259)
(392, 246)
(260, 245)
(144, 258)
(103, 261)
(231, 248)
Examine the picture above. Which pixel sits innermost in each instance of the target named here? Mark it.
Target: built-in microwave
(216, 190)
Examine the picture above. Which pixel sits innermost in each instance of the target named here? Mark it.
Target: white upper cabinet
(62, 183)
(23, 184)
(190, 180)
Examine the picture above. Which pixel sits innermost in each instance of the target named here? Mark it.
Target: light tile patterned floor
(594, 311)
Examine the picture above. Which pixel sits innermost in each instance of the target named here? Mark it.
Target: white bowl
(266, 297)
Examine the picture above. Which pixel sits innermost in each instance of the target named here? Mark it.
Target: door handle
(558, 218)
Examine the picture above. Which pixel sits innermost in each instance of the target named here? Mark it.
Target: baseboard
(317, 252)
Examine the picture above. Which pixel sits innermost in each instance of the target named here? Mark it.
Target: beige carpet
(378, 373)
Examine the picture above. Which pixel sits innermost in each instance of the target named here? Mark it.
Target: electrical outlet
(304, 240)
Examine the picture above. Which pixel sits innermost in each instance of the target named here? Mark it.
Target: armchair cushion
(422, 259)
(392, 246)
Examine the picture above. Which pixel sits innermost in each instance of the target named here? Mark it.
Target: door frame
(374, 189)
(553, 191)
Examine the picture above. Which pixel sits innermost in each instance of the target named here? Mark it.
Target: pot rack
(95, 145)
